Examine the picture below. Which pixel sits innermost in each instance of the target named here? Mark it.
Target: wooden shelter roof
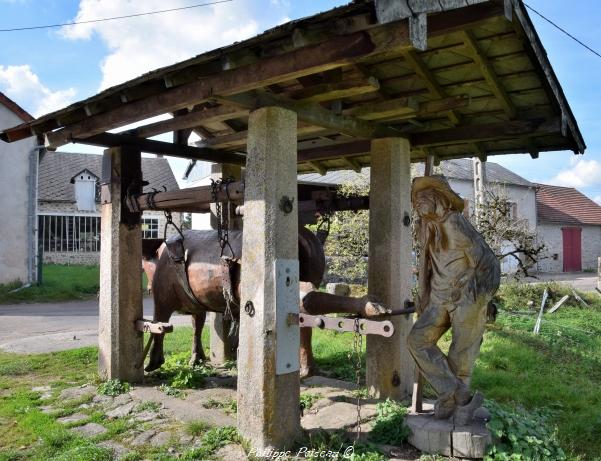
(457, 77)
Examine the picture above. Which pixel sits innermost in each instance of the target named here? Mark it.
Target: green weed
(113, 387)
(211, 441)
(389, 426)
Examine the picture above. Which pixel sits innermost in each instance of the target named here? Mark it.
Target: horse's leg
(307, 361)
(198, 354)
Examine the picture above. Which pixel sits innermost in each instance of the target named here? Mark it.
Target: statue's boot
(465, 413)
(446, 406)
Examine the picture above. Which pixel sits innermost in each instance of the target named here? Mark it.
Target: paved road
(49, 327)
(585, 281)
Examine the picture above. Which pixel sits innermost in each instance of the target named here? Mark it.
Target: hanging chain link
(356, 359)
(169, 222)
(223, 228)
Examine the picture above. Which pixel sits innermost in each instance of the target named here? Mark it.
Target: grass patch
(211, 441)
(60, 282)
(229, 406)
(557, 372)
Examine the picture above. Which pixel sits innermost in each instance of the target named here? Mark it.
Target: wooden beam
(458, 135)
(192, 199)
(471, 42)
(353, 164)
(315, 114)
(190, 120)
(405, 108)
(485, 132)
(421, 69)
(163, 148)
(318, 167)
(238, 140)
(330, 54)
(339, 90)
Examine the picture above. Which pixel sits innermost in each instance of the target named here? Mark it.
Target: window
(150, 228)
(69, 233)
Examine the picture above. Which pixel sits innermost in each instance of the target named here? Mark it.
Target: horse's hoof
(197, 359)
(306, 372)
(154, 365)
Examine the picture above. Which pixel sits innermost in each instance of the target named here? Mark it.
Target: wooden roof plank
(489, 73)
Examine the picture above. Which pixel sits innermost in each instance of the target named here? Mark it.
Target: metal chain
(355, 357)
(168, 222)
(223, 225)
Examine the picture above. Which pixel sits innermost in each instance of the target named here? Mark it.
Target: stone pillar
(221, 344)
(268, 398)
(120, 345)
(390, 367)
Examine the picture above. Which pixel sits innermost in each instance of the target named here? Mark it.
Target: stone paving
(152, 419)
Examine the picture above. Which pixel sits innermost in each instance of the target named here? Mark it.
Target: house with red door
(570, 225)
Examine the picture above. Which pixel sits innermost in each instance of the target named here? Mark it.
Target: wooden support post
(223, 347)
(390, 367)
(479, 168)
(269, 388)
(120, 345)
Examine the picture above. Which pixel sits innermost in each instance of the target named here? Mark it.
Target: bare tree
(507, 236)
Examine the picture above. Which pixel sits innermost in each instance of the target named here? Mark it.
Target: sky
(45, 70)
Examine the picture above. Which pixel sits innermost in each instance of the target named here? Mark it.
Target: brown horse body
(206, 276)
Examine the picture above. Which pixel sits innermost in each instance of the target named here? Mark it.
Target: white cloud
(138, 45)
(581, 173)
(22, 85)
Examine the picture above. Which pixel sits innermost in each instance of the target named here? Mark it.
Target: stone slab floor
(152, 418)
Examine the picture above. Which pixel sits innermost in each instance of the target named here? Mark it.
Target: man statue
(459, 274)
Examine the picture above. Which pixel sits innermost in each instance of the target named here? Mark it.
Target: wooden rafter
(315, 114)
(318, 167)
(189, 120)
(331, 54)
(465, 134)
(471, 42)
(163, 148)
(420, 68)
(353, 164)
(339, 90)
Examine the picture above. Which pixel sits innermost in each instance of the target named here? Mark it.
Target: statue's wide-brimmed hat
(441, 186)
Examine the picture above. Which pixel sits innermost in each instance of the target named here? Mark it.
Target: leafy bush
(113, 387)
(521, 436)
(390, 427)
(180, 375)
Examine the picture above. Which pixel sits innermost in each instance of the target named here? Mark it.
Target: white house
(18, 188)
(69, 208)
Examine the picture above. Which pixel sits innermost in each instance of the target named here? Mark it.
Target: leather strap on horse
(177, 256)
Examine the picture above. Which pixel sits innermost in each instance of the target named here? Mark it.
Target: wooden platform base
(442, 437)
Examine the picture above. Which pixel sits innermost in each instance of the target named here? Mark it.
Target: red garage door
(572, 254)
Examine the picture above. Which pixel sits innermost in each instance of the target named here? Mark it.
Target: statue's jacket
(463, 269)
